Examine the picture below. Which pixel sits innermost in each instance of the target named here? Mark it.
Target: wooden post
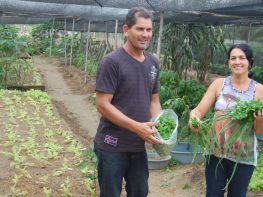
(51, 35)
(116, 37)
(234, 35)
(160, 37)
(81, 39)
(65, 41)
(71, 47)
(87, 51)
(151, 43)
(106, 33)
(249, 30)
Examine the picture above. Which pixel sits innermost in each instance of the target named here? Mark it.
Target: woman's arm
(207, 102)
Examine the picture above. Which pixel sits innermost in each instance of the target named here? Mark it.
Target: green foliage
(221, 69)
(173, 162)
(191, 91)
(172, 88)
(182, 40)
(170, 178)
(257, 55)
(210, 46)
(8, 32)
(169, 78)
(178, 39)
(195, 123)
(165, 185)
(58, 47)
(90, 177)
(166, 126)
(165, 94)
(178, 105)
(186, 186)
(10, 44)
(200, 139)
(41, 35)
(258, 74)
(243, 110)
(79, 61)
(256, 182)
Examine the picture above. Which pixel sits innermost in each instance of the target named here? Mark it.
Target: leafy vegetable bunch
(200, 139)
(195, 123)
(166, 126)
(243, 111)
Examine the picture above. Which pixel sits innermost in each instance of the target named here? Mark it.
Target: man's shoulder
(114, 54)
(151, 57)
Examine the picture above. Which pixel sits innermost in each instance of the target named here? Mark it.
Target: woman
(223, 93)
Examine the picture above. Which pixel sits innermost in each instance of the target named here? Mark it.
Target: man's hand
(145, 132)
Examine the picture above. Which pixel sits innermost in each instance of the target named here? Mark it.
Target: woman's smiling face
(238, 62)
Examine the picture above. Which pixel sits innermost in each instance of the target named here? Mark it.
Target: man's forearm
(155, 108)
(116, 116)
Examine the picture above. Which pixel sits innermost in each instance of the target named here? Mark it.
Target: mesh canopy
(159, 5)
(100, 12)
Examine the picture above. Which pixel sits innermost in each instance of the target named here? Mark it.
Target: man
(127, 89)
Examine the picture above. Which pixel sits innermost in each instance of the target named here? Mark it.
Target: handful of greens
(167, 131)
(166, 126)
(195, 123)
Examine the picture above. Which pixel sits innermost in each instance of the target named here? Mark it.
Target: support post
(249, 30)
(116, 33)
(160, 37)
(51, 35)
(106, 33)
(234, 35)
(151, 42)
(73, 33)
(65, 41)
(87, 51)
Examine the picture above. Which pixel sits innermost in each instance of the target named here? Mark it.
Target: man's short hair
(142, 12)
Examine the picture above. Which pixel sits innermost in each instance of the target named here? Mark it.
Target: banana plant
(185, 43)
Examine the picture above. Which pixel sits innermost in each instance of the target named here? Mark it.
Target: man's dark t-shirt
(132, 84)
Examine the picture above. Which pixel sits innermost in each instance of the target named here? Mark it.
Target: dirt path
(82, 116)
(72, 99)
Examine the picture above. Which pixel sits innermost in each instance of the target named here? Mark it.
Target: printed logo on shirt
(153, 74)
(110, 140)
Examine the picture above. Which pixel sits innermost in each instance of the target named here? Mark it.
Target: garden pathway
(79, 110)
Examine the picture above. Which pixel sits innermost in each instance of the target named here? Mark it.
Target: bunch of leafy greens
(200, 139)
(195, 123)
(242, 114)
(166, 126)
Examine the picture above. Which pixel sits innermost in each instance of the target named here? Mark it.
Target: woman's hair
(246, 49)
(142, 12)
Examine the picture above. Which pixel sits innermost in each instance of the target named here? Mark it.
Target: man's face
(140, 33)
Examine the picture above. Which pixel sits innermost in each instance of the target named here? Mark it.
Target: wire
(150, 5)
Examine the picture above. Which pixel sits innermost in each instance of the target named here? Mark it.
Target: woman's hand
(258, 124)
(193, 126)
(260, 114)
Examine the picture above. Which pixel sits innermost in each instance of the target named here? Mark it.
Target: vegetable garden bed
(39, 156)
